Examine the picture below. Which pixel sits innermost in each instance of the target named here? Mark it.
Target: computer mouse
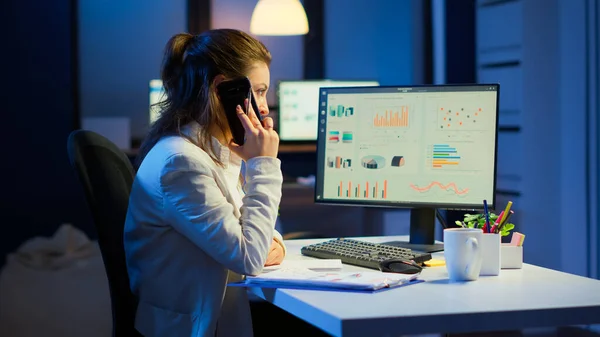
(400, 266)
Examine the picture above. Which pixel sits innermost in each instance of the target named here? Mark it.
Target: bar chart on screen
(339, 162)
(392, 117)
(443, 156)
(364, 189)
(339, 110)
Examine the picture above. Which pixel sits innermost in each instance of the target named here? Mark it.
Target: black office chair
(106, 175)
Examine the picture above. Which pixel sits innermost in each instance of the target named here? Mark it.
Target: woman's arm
(198, 209)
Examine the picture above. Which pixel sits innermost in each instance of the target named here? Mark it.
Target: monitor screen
(157, 95)
(424, 147)
(298, 100)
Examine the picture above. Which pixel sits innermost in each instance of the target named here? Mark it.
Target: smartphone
(233, 93)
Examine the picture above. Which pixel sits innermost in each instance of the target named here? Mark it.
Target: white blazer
(187, 233)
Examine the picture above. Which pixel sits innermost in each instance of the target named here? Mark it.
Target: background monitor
(157, 95)
(298, 100)
(422, 148)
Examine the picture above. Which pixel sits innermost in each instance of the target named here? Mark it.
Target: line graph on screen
(450, 187)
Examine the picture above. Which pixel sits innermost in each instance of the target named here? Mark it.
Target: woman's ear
(217, 80)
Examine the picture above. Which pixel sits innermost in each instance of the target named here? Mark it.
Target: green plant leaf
(478, 221)
(506, 229)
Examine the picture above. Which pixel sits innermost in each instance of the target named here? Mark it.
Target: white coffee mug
(462, 251)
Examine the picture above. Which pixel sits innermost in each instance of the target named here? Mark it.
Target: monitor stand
(422, 232)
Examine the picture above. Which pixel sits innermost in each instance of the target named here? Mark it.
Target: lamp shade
(279, 17)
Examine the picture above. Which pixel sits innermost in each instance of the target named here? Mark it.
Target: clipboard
(304, 278)
(281, 285)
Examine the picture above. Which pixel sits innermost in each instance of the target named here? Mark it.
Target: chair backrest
(106, 175)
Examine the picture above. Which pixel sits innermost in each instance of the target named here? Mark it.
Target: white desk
(514, 300)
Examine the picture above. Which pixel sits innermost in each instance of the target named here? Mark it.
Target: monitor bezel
(278, 107)
(411, 205)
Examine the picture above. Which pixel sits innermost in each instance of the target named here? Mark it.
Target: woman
(190, 228)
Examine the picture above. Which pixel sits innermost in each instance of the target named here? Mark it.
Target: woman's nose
(264, 110)
(263, 107)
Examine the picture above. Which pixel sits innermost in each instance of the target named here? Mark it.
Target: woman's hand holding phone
(261, 139)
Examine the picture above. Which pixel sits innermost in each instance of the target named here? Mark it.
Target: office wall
(593, 61)
(539, 52)
(120, 49)
(577, 75)
(39, 190)
(363, 41)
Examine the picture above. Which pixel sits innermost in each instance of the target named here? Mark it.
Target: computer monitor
(418, 147)
(157, 95)
(297, 101)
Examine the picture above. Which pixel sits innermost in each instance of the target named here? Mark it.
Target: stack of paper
(306, 278)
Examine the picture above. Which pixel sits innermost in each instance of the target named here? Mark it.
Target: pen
(497, 223)
(487, 217)
(506, 211)
(505, 220)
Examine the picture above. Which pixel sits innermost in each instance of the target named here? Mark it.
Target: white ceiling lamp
(279, 17)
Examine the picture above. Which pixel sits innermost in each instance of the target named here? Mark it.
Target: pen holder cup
(490, 254)
(511, 256)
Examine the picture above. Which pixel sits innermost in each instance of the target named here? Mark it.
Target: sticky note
(434, 263)
(517, 239)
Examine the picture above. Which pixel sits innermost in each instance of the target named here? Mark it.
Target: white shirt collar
(229, 159)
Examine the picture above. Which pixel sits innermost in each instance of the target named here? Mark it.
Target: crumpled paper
(67, 246)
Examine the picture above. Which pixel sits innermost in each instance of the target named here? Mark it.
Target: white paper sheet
(312, 264)
(371, 280)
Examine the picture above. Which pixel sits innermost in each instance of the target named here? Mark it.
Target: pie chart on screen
(373, 162)
(398, 161)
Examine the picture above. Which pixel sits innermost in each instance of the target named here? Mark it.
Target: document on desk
(310, 279)
(312, 264)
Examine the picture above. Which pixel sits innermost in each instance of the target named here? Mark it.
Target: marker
(487, 217)
(497, 223)
(508, 216)
(506, 220)
(506, 211)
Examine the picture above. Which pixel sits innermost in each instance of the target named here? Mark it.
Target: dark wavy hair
(189, 67)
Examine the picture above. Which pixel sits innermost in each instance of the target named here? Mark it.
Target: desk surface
(514, 300)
